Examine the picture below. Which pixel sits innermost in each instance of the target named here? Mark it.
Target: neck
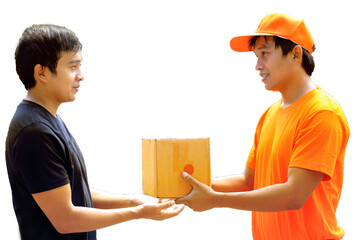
(296, 90)
(38, 99)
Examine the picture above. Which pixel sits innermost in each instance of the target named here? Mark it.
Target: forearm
(290, 195)
(273, 198)
(230, 184)
(104, 200)
(82, 219)
(67, 218)
(237, 183)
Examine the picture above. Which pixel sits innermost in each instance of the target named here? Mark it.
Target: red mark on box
(189, 169)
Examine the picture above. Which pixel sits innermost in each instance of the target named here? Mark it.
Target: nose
(79, 76)
(259, 64)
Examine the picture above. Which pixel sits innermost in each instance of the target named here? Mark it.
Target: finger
(189, 179)
(166, 205)
(182, 200)
(161, 200)
(174, 211)
(178, 209)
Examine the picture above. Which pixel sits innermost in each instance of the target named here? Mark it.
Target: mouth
(264, 76)
(76, 88)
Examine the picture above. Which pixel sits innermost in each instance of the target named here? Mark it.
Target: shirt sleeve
(319, 143)
(40, 158)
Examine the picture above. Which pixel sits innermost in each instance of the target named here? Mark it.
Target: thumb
(189, 179)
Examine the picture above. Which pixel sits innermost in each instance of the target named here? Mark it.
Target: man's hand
(160, 211)
(201, 197)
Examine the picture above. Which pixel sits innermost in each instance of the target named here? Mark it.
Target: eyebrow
(265, 46)
(74, 61)
(262, 47)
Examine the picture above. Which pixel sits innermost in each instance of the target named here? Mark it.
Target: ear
(297, 53)
(39, 73)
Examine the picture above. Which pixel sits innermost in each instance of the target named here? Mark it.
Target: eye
(75, 66)
(262, 53)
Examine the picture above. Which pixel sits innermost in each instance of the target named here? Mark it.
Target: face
(274, 68)
(63, 86)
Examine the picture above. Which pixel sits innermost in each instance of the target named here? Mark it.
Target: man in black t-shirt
(42, 155)
(47, 174)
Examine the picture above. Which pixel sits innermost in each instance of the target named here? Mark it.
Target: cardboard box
(164, 160)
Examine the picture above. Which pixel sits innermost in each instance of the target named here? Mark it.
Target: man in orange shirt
(294, 173)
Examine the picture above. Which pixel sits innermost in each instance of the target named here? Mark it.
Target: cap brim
(241, 43)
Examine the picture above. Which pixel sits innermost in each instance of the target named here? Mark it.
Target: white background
(158, 69)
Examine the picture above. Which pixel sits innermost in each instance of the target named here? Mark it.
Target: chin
(270, 87)
(70, 99)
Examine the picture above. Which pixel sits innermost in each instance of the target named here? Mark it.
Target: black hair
(42, 44)
(286, 46)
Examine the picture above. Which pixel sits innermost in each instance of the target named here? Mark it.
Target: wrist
(215, 199)
(138, 212)
(220, 199)
(134, 201)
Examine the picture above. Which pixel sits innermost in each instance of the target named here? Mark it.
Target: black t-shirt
(41, 155)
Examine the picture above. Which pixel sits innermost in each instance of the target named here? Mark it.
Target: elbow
(296, 203)
(62, 231)
(295, 206)
(63, 228)
(64, 225)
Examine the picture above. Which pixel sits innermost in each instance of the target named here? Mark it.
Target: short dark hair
(42, 44)
(286, 46)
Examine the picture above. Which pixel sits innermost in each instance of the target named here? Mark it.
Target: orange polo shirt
(311, 134)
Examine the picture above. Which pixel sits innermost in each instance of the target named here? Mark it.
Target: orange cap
(281, 25)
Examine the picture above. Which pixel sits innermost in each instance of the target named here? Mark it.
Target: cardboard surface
(164, 160)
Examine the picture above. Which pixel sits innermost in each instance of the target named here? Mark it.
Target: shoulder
(36, 130)
(32, 129)
(31, 132)
(322, 104)
(322, 100)
(32, 119)
(35, 139)
(322, 114)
